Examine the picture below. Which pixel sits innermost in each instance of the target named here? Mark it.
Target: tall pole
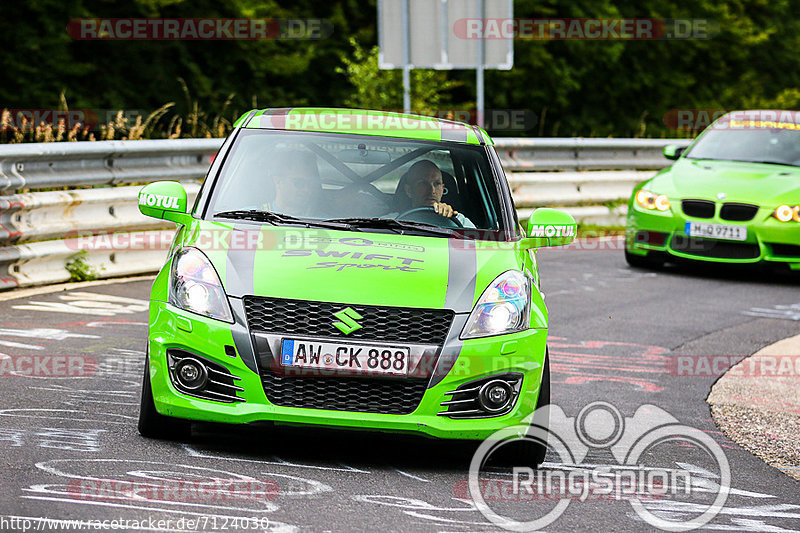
(481, 62)
(406, 58)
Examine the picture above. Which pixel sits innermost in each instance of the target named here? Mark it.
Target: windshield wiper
(784, 163)
(398, 226)
(768, 162)
(279, 218)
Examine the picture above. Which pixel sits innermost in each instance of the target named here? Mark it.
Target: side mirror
(549, 227)
(165, 200)
(673, 151)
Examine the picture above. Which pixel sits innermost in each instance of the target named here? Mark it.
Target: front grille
(698, 208)
(386, 324)
(784, 250)
(714, 248)
(738, 212)
(361, 395)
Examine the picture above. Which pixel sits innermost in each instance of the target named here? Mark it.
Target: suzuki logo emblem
(348, 317)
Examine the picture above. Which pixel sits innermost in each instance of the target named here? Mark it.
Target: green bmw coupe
(732, 196)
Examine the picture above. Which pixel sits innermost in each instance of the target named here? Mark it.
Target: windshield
(357, 182)
(757, 144)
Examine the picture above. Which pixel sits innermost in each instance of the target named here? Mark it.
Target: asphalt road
(635, 340)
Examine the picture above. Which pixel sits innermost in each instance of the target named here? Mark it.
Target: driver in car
(424, 186)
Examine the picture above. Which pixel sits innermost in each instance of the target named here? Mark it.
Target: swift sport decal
(352, 241)
(339, 266)
(365, 260)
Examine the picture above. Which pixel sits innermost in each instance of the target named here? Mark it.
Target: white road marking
(412, 476)
(89, 303)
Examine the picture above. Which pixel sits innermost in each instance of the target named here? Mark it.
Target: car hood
(351, 267)
(753, 183)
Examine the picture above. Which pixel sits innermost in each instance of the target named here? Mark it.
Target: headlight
(504, 307)
(651, 201)
(785, 213)
(195, 286)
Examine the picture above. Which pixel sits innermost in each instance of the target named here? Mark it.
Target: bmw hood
(351, 267)
(752, 183)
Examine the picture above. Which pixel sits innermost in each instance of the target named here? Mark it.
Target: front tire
(652, 260)
(152, 424)
(528, 452)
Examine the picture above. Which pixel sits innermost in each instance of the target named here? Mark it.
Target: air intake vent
(361, 395)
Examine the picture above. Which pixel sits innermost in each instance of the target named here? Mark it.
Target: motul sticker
(547, 230)
(158, 200)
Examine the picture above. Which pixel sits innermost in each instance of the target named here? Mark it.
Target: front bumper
(768, 240)
(174, 329)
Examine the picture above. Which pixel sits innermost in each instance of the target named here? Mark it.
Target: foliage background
(575, 88)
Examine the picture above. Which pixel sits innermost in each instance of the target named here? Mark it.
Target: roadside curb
(761, 412)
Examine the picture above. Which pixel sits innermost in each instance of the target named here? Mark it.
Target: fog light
(191, 374)
(495, 395)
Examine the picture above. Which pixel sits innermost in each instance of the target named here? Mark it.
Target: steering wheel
(427, 215)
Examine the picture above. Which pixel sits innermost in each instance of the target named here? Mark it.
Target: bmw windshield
(755, 141)
(359, 183)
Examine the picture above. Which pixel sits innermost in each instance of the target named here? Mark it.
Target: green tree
(374, 88)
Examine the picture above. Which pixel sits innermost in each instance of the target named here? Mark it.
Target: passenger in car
(298, 188)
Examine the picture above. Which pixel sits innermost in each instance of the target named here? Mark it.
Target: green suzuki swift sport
(349, 268)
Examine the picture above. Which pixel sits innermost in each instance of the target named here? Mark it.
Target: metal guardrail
(40, 231)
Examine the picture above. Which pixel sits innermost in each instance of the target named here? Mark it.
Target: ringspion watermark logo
(591, 29)
(199, 29)
(648, 453)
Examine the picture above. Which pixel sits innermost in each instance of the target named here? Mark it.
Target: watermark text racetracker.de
(202, 29)
(48, 366)
(653, 462)
(584, 28)
(763, 366)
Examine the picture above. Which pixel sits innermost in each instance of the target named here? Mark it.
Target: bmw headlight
(651, 201)
(195, 286)
(504, 307)
(785, 213)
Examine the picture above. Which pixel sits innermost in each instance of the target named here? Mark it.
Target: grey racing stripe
(461, 274)
(239, 272)
(461, 279)
(240, 265)
(454, 132)
(241, 335)
(450, 352)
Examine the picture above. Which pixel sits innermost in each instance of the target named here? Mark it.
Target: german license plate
(716, 231)
(346, 357)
